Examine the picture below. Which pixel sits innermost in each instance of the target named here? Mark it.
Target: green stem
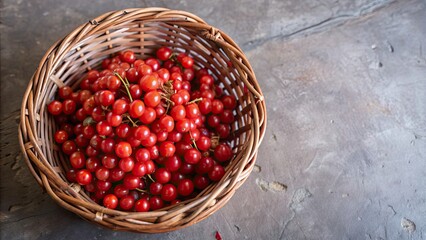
(126, 85)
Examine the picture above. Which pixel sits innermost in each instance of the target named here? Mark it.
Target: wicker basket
(143, 31)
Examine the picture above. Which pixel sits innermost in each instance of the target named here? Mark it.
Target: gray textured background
(345, 85)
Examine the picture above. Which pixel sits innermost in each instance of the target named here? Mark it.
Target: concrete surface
(345, 85)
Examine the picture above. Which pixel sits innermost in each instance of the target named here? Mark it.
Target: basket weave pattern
(143, 31)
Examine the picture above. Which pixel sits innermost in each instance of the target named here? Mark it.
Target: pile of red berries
(144, 134)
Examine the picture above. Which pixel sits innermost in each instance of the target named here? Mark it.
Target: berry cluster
(144, 134)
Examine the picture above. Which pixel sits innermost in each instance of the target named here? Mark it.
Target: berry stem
(194, 101)
(150, 178)
(126, 85)
(193, 140)
(141, 190)
(131, 120)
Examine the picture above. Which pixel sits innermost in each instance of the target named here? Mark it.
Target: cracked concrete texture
(345, 133)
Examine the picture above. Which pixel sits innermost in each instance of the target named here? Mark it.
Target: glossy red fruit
(139, 169)
(226, 116)
(223, 152)
(113, 119)
(120, 106)
(148, 116)
(106, 98)
(150, 141)
(83, 177)
(65, 92)
(167, 149)
(178, 112)
(69, 106)
(61, 136)
(155, 203)
(185, 187)
(127, 203)
(192, 156)
(68, 147)
(77, 160)
(154, 63)
(164, 53)
(120, 191)
(169, 192)
(142, 205)
(123, 149)
(149, 82)
(229, 102)
(55, 107)
(102, 173)
(216, 173)
(162, 175)
(116, 174)
(110, 201)
(103, 128)
(137, 108)
(183, 125)
(152, 99)
(126, 164)
(217, 106)
(201, 182)
(141, 132)
(128, 56)
(205, 165)
(172, 163)
(205, 106)
(131, 181)
(167, 123)
(109, 161)
(203, 143)
(192, 110)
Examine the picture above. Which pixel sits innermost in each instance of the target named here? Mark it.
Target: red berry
(169, 192)
(120, 191)
(139, 169)
(128, 56)
(127, 202)
(155, 203)
(102, 173)
(229, 102)
(185, 187)
(164, 53)
(126, 164)
(120, 107)
(173, 163)
(216, 173)
(162, 175)
(167, 149)
(55, 107)
(205, 165)
(83, 177)
(131, 181)
(192, 156)
(61, 136)
(142, 205)
(110, 201)
(149, 82)
(77, 160)
(152, 99)
(65, 92)
(123, 149)
(137, 108)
